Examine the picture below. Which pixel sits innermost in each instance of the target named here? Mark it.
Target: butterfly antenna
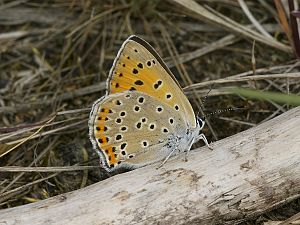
(222, 111)
(206, 95)
(204, 100)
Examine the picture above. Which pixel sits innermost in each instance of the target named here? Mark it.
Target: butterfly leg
(202, 137)
(166, 159)
(189, 149)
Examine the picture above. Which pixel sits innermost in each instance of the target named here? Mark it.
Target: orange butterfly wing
(138, 67)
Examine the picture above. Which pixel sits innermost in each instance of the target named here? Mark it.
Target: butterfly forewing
(133, 128)
(139, 68)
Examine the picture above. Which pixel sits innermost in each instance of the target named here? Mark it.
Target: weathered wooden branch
(245, 175)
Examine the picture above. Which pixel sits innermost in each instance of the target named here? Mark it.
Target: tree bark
(244, 176)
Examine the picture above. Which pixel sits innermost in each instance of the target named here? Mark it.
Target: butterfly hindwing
(133, 128)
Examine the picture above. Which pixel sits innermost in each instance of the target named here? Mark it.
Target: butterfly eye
(200, 122)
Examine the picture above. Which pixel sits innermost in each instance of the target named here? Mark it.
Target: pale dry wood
(294, 220)
(244, 176)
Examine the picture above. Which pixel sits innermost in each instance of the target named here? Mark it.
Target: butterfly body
(145, 116)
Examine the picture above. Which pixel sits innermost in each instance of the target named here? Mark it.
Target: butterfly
(144, 116)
